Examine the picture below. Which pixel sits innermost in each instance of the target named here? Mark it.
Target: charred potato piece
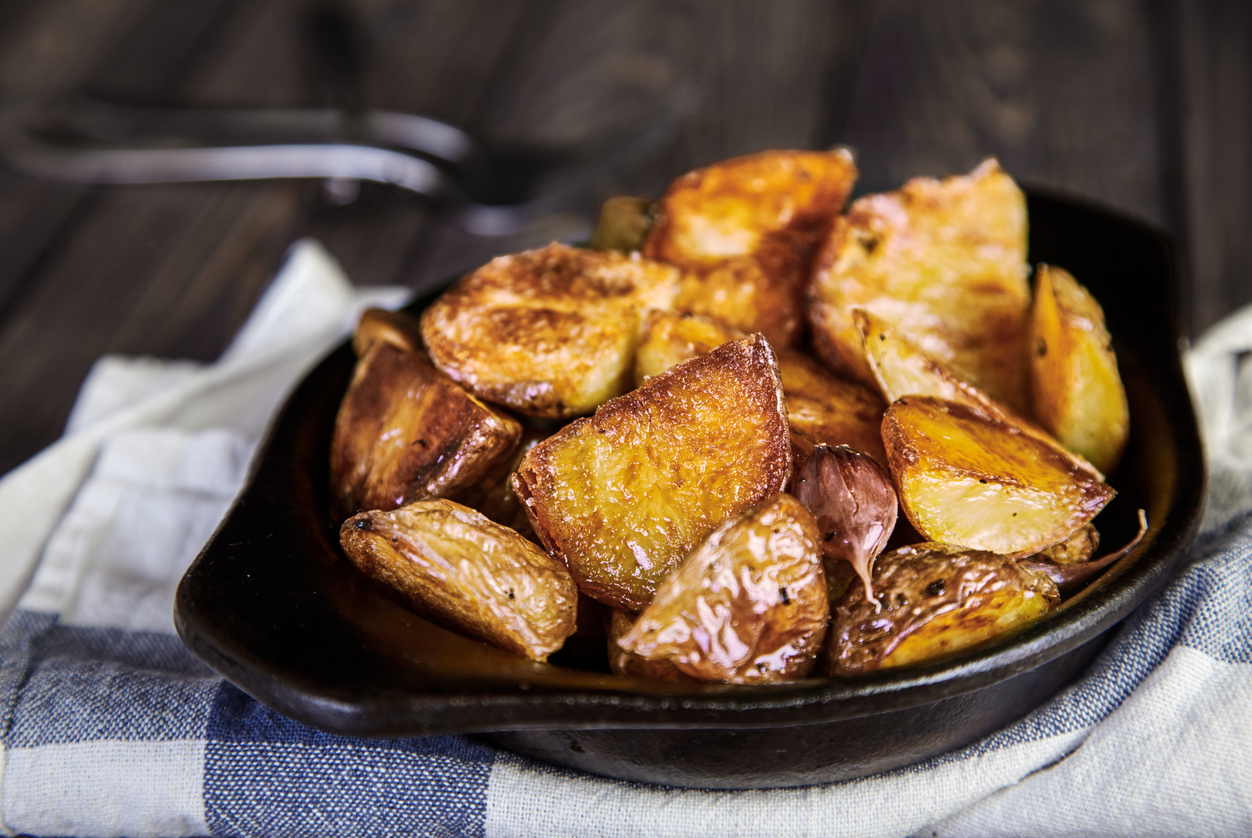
(624, 662)
(744, 231)
(936, 599)
(453, 565)
(624, 495)
(624, 223)
(825, 408)
(406, 432)
(748, 606)
(944, 263)
(1078, 392)
(548, 332)
(969, 478)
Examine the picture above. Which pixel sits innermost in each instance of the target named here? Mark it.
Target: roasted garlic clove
(855, 505)
(748, 606)
(462, 570)
(937, 599)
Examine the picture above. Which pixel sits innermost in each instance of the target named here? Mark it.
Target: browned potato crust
(936, 599)
(1077, 389)
(398, 328)
(455, 566)
(744, 232)
(624, 495)
(969, 478)
(827, 409)
(405, 432)
(944, 263)
(548, 332)
(748, 606)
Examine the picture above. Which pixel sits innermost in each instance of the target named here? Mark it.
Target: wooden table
(1143, 105)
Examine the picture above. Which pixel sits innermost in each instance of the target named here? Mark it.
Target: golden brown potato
(937, 599)
(670, 337)
(744, 231)
(624, 495)
(406, 432)
(944, 263)
(968, 478)
(492, 494)
(548, 332)
(827, 409)
(624, 223)
(1077, 389)
(453, 565)
(398, 328)
(624, 662)
(748, 606)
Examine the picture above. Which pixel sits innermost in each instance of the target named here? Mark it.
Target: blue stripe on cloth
(1208, 608)
(64, 684)
(268, 775)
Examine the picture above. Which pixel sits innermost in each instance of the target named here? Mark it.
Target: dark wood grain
(1140, 104)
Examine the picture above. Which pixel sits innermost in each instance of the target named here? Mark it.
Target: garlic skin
(852, 497)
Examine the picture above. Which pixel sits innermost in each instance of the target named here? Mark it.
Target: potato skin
(1077, 390)
(748, 606)
(936, 599)
(455, 566)
(969, 478)
(398, 328)
(632, 665)
(744, 231)
(549, 332)
(405, 431)
(624, 495)
(944, 263)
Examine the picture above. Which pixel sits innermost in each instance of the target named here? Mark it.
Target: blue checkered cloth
(112, 728)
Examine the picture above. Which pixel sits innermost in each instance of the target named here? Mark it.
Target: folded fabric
(113, 728)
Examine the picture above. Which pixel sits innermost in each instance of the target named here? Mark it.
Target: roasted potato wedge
(493, 496)
(748, 606)
(744, 231)
(624, 495)
(944, 263)
(1077, 390)
(828, 409)
(549, 332)
(969, 478)
(624, 662)
(399, 328)
(406, 432)
(1076, 549)
(936, 599)
(453, 565)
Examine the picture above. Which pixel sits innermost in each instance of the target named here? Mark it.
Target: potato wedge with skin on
(828, 409)
(748, 606)
(405, 431)
(549, 332)
(969, 478)
(1077, 390)
(453, 565)
(944, 263)
(902, 369)
(936, 599)
(744, 231)
(624, 495)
